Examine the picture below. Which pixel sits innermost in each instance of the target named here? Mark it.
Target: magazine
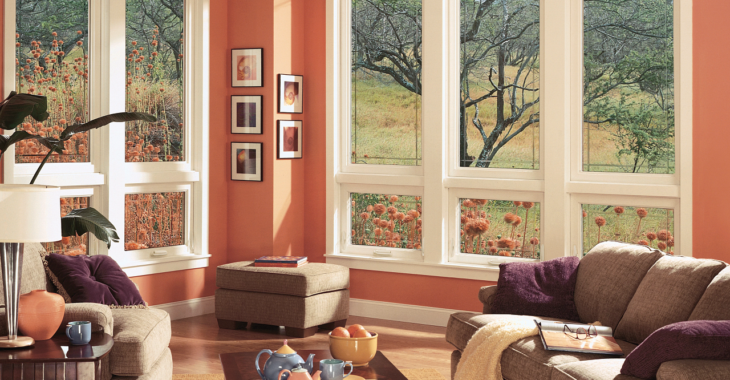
(600, 341)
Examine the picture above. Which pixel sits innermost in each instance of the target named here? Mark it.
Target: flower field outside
(652, 227)
(392, 221)
(70, 245)
(500, 228)
(51, 59)
(154, 220)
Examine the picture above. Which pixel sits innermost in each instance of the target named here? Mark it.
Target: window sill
(394, 265)
(164, 264)
(68, 179)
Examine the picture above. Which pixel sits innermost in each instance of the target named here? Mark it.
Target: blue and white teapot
(281, 359)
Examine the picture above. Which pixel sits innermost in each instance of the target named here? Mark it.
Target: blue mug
(79, 332)
(333, 369)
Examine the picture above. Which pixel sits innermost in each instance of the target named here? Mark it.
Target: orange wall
(711, 135)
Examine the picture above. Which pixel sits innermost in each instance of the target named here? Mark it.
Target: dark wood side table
(42, 361)
(241, 366)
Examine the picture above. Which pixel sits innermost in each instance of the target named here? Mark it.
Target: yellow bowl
(359, 351)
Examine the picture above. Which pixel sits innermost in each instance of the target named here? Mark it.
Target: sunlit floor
(197, 342)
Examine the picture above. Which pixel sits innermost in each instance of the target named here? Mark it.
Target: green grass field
(386, 129)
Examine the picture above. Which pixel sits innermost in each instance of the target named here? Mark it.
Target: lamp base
(21, 341)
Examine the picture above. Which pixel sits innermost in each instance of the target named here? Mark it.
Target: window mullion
(110, 69)
(435, 100)
(555, 115)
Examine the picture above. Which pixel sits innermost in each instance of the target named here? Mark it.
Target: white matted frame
(289, 138)
(242, 169)
(247, 67)
(108, 173)
(557, 185)
(240, 121)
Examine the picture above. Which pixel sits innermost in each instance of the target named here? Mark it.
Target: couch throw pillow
(542, 289)
(709, 340)
(97, 279)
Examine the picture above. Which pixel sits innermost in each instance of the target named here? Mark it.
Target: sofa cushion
(527, 359)
(524, 359)
(141, 336)
(544, 288)
(715, 302)
(310, 279)
(694, 369)
(682, 340)
(668, 294)
(608, 277)
(600, 369)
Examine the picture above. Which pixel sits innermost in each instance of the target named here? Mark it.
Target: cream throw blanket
(482, 356)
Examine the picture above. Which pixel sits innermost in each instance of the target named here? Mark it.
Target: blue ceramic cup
(79, 332)
(333, 369)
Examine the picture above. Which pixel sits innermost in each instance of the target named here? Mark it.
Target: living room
(410, 191)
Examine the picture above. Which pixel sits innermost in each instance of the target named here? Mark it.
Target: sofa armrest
(694, 369)
(99, 315)
(485, 293)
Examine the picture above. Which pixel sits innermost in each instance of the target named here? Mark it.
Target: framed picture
(289, 139)
(246, 161)
(290, 93)
(246, 114)
(247, 67)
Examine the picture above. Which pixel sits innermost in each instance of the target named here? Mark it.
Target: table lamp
(28, 214)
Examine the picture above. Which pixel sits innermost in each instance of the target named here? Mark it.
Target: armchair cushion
(100, 316)
(141, 337)
(681, 340)
(544, 289)
(97, 279)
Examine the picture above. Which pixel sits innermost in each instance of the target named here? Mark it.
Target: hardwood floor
(197, 342)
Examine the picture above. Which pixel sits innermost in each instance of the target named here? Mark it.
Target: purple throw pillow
(709, 340)
(542, 289)
(97, 279)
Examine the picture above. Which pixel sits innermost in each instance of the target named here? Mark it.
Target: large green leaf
(104, 120)
(16, 107)
(83, 220)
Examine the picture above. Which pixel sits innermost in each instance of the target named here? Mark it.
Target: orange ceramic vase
(40, 314)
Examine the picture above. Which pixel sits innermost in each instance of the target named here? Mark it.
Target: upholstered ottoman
(300, 299)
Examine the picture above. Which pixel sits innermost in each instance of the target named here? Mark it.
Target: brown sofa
(634, 290)
(141, 336)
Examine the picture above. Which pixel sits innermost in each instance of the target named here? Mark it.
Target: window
(534, 137)
(148, 178)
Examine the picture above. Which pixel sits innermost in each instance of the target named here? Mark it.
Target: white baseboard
(423, 315)
(188, 308)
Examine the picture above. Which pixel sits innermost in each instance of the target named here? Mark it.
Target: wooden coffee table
(240, 365)
(54, 358)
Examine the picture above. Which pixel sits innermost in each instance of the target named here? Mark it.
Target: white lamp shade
(30, 213)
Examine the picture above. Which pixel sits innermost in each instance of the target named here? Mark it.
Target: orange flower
(600, 221)
(528, 205)
(393, 198)
(364, 216)
(379, 209)
(651, 236)
(509, 217)
(663, 235)
(517, 203)
(641, 212)
(662, 245)
(643, 242)
(534, 241)
(618, 210)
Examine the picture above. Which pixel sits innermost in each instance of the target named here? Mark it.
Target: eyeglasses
(580, 333)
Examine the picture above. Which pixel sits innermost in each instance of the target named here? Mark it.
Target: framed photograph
(246, 114)
(246, 161)
(290, 93)
(247, 67)
(289, 139)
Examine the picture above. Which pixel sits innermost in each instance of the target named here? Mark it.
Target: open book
(554, 339)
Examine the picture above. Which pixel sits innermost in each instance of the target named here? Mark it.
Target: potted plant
(15, 109)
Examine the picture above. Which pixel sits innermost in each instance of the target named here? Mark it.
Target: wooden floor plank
(197, 342)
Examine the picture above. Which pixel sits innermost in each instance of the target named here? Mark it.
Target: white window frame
(559, 184)
(107, 173)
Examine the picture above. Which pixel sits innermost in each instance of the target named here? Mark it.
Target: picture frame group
(247, 70)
